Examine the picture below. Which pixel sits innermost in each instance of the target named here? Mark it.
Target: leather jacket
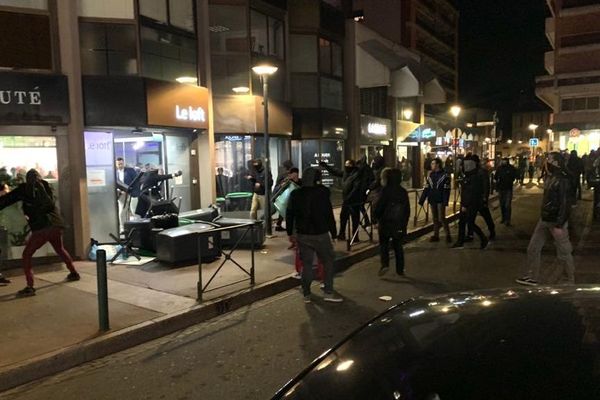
(555, 205)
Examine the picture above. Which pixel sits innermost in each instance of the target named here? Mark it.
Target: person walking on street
(522, 169)
(484, 211)
(554, 221)
(505, 178)
(575, 169)
(44, 221)
(392, 212)
(310, 225)
(472, 188)
(437, 194)
(262, 181)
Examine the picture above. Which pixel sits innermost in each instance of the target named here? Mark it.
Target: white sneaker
(333, 298)
(527, 281)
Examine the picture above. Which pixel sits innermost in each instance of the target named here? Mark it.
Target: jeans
(349, 211)
(438, 212)
(384, 249)
(506, 197)
(467, 218)
(308, 245)
(564, 250)
(258, 203)
(37, 240)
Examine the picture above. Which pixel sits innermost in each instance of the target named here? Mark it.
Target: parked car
(537, 343)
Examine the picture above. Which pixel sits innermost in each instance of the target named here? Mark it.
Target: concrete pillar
(68, 33)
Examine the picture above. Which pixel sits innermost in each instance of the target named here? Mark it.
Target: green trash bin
(239, 201)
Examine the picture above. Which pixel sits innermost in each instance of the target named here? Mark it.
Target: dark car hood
(538, 343)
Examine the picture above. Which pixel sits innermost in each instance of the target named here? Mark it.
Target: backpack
(394, 214)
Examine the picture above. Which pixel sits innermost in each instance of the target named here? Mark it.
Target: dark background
(502, 45)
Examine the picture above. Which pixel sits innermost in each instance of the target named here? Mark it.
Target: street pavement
(250, 353)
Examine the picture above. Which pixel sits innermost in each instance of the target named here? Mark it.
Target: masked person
(259, 177)
(309, 222)
(555, 210)
(484, 210)
(437, 194)
(505, 178)
(45, 223)
(472, 191)
(150, 189)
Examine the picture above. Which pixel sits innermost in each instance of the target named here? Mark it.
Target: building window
(167, 56)
(26, 43)
(305, 91)
(177, 13)
(580, 104)
(303, 53)
(330, 58)
(230, 58)
(106, 8)
(35, 4)
(266, 35)
(331, 94)
(373, 101)
(107, 49)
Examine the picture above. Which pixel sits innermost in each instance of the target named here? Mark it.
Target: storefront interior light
(509, 141)
(187, 79)
(264, 69)
(407, 113)
(138, 145)
(241, 90)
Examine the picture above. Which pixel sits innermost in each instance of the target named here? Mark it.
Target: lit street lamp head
(455, 111)
(264, 69)
(407, 113)
(533, 127)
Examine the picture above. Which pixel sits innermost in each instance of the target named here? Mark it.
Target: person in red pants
(45, 223)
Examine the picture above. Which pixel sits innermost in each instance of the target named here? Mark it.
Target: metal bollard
(102, 279)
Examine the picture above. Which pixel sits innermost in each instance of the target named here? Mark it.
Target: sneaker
(527, 281)
(297, 275)
(333, 298)
(307, 299)
(279, 229)
(468, 239)
(322, 286)
(73, 276)
(434, 239)
(383, 271)
(28, 291)
(4, 281)
(484, 244)
(458, 245)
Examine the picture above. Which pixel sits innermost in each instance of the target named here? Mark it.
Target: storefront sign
(533, 142)
(176, 104)
(233, 138)
(33, 99)
(376, 128)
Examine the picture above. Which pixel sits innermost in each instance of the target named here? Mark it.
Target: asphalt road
(250, 353)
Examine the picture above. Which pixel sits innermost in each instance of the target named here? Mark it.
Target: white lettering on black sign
(20, 97)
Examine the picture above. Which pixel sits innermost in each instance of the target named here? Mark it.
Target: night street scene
(299, 199)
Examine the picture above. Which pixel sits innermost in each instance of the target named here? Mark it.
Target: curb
(63, 359)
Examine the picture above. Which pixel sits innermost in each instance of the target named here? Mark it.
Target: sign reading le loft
(33, 99)
(178, 105)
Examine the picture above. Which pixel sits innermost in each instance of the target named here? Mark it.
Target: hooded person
(310, 225)
(44, 221)
(554, 221)
(262, 181)
(392, 212)
(505, 178)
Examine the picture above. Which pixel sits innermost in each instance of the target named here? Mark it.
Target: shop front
(239, 139)
(375, 136)
(145, 124)
(34, 112)
(582, 140)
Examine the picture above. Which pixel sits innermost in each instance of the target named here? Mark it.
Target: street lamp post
(455, 111)
(264, 70)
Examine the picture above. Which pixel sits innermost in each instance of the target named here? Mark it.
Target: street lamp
(264, 70)
(455, 111)
(407, 113)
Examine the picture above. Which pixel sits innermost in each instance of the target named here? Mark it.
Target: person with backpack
(437, 194)
(392, 212)
(44, 221)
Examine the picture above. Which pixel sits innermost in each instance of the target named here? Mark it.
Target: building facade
(572, 86)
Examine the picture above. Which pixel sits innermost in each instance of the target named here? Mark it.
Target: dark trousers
(309, 245)
(349, 211)
(467, 218)
(384, 249)
(506, 197)
(484, 211)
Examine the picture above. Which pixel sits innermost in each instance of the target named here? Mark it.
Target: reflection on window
(167, 56)
(233, 153)
(181, 14)
(29, 45)
(155, 9)
(325, 56)
(276, 38)
(107, 49)
(266, 35)
(18, 154)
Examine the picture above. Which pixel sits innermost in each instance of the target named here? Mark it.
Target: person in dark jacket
(575, 169)
(222, 182)
(375, 188)
(352, 194)
(284, 173)
(125, 177)
(259, 178)
(505, 178)
(484, 210)
(437, 194)
(553, 222)
(311, 226)
(392, 212)
(472, 189)
(44, 221)
(150, 189)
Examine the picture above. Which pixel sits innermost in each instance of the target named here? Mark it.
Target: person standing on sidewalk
(575, 169)
(472, 188)
(310, 225)
(484, 210)
(437, 194)
(45, 223)
(505, 178)
(262, 181)
(554, 221)
(392, 212)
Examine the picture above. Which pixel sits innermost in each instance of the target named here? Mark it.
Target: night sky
(502, 45)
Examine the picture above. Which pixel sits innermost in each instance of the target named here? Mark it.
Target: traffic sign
(534, 142)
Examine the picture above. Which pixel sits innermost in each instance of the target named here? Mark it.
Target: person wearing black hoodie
(309, 222)
(437, 194)
(505, 177)
(392, 212)
(472, 189)
(45, 223)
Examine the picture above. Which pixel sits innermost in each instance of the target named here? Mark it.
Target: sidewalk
(58, 328)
